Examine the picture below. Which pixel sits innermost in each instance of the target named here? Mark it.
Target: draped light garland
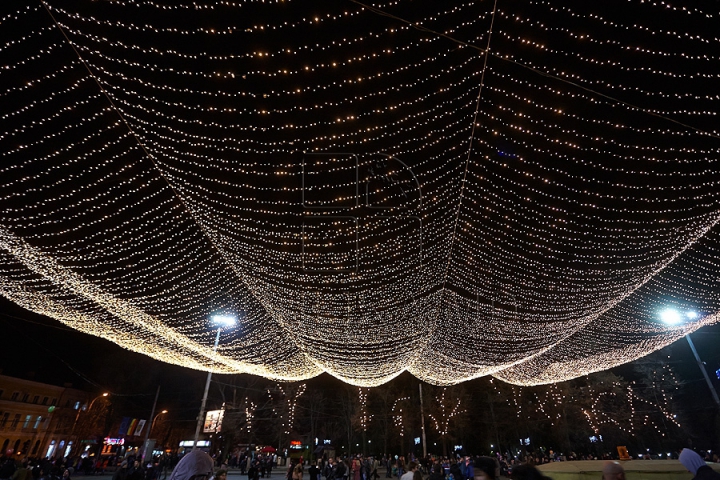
(455, 190)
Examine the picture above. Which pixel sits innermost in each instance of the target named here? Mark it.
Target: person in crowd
(410, 474)
(136, 471)
(122, 472)
(400, 463)
(194, 465)
(340, 470)
(252, 472)
(468, 471)
(697, 466)
(327, 471)
(437, 473)
(221, 474)
(613, 471)
(268, 465)
(314, 470)
(242, 463)
(152, 471)
(375, 465)
(23, 473)
(486, 468)
(8, 469)
(297, 472)
(455, 471)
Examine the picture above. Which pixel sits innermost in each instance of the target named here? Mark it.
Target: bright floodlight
(670, 316)
(224, 320)
(691, 315)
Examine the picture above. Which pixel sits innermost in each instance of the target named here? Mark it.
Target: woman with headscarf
(697, 466)
(195, 465)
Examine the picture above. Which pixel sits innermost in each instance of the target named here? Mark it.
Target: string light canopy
(459, 189)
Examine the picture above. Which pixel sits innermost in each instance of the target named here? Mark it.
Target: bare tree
(445, 410)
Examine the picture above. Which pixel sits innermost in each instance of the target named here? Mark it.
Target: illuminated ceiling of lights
(368, 188)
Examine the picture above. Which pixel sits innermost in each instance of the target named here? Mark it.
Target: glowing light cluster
(451, 189)
(398, 416)
(447, 409)
(364, 416)
(290, 399)
(609, 404)
(250, 408)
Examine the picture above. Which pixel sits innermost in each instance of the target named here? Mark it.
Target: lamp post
(671, 316)
(153, 421)
(83, 408)
(222, 321)
(146, 443)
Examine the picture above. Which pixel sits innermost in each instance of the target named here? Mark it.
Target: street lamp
(153, 421)
(84, 408)
(221, 321)
(672, 316)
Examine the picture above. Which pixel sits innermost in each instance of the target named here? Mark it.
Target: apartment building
(37, 419)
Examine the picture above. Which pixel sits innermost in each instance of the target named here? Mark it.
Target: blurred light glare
(670, 316)
(224, 320)
(691, 315)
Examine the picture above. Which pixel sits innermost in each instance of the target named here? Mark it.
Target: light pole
(671, 316)
(222, 321)
(153, 421)
(83, 408)
(146, 443)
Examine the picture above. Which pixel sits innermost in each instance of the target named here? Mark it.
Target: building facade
(38, 419)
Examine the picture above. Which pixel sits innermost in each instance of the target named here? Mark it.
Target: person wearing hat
(697, 466)
(196, 465)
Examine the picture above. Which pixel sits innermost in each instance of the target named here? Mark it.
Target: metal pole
(204, 399)
(704, 372)
(147, 432)
(422, 422)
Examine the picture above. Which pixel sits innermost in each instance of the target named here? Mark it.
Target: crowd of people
(198, 465)
(123, 468)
